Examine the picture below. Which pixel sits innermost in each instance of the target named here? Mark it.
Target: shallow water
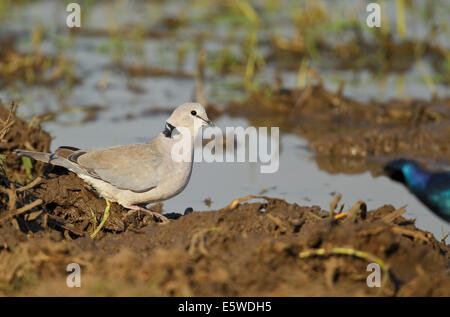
(298, 178)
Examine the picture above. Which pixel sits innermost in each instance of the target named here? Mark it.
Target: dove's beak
(206, 121)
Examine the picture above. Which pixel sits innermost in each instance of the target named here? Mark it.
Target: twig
(12, 192)
(312, 215)
(394, 215)
(198, 241)
(12, 196)
(359, 209)
(334, 203)
(6, 124)
(63, 224)
(278, 222)
(30, 185)
(344, 251)
(351, 252)
(414, 234)
(94, 218)
(23, 209)
(237, 201)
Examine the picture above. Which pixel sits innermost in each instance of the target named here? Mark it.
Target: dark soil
(350, 136)
(20, 135)
(248, 249)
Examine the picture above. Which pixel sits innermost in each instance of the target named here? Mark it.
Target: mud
(245, 251)
(382, 54)
(262, 248)
(19, 134)
(353, 133)
(34, 68)
(150, 71)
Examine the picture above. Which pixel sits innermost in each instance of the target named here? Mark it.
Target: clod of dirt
(19, 134)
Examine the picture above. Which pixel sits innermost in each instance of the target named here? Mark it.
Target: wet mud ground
(264, 247)
(349, 136)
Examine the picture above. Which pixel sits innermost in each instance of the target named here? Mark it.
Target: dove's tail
(40, 156)
(52, 158)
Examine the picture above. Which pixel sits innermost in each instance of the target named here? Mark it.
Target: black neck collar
(168, 129)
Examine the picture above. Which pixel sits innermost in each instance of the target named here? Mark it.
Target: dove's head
(189, 115)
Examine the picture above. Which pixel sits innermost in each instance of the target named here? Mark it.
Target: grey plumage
(110, 165)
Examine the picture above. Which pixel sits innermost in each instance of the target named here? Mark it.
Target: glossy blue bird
(433, 189)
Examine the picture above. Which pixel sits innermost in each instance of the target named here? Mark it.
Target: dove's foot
(102, 223)
(155, 214)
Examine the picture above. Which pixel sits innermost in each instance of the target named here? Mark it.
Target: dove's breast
(174, 182)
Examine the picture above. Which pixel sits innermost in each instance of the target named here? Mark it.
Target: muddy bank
(256, 249)
(269, 247)
(34, 68)
(352, 133)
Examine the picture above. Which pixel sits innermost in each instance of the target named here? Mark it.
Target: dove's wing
(134, 167)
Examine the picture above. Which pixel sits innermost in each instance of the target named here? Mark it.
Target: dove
(135, 175)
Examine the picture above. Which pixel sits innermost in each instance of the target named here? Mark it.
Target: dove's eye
(193, 112)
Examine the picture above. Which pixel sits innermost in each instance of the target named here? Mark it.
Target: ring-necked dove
(136, 174)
